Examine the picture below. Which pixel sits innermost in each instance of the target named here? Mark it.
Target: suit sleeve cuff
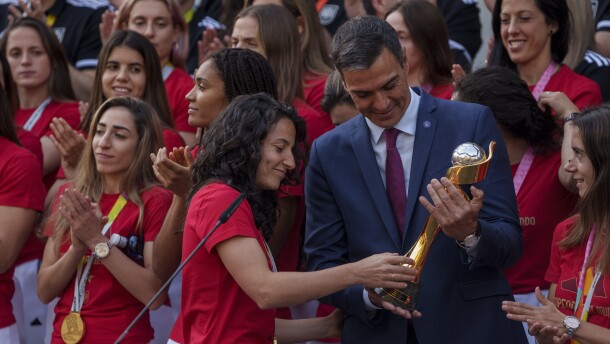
(368, 305)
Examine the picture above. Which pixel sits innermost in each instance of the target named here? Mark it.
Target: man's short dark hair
(360, 41)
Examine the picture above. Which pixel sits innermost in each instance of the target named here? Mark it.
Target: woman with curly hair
(229, 288)
(220, 79)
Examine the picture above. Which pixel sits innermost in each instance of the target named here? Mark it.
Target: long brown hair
(594, 128)
(279, 37)
(7, 127)
(59, 86)
(429, 34)
(154, 92)
(315, 40)
(139, 175)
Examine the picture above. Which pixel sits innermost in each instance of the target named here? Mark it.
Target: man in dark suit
(351, 216)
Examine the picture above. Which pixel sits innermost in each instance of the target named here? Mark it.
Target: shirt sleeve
(212, 205)
(156, 205)
(554, 270)
(21, 183)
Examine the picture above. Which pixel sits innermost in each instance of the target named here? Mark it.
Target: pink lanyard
(544, 80)
(524, 167)
(583, 312)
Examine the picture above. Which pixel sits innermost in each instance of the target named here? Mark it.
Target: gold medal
(72, 328)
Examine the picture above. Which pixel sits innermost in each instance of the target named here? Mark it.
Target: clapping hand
(69, 143)
(545, 322)
(84, 218)
(173, 170)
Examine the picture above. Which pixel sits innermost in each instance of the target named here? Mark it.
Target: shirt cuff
(368, 305)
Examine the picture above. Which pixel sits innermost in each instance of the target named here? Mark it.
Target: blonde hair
(583, 31)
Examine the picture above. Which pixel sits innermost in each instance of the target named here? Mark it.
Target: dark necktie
(395, 179)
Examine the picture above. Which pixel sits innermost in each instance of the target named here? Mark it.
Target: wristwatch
(102, 250)
(471, 240)
(571, 323)
(569, 117)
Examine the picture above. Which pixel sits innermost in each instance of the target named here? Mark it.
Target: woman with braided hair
(226, 75)
(220, 79)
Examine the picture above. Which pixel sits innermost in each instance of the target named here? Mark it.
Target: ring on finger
(393, 277)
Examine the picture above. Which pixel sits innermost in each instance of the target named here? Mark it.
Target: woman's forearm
(139, 280)
(56, 271)
(167, 248)
(302, 330)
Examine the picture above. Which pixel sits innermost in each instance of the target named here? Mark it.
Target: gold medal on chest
(72, 328)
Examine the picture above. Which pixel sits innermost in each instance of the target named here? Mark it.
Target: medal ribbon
(31, 122)
(524, 167)
(581, 310)
(80, 282)
(273, 267)
(544, 79)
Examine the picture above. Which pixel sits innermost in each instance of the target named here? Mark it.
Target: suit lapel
(424, 136)
(361, 143)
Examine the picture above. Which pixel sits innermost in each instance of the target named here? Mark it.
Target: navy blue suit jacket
(349, 218)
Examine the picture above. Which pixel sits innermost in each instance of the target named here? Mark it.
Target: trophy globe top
(468, 153)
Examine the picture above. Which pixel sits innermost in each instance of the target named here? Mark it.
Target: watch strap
(570, 330)
(569, 117)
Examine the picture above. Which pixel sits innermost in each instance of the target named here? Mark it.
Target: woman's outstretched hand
(385, 270)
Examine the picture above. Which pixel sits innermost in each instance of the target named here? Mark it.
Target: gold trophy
(470, 166)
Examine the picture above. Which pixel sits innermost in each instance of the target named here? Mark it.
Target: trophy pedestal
(405, 298)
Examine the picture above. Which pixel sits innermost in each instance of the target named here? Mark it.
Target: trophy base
(404, 298)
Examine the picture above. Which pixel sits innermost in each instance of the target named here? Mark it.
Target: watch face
(571, 322)
(102, 250)
(471, 240)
